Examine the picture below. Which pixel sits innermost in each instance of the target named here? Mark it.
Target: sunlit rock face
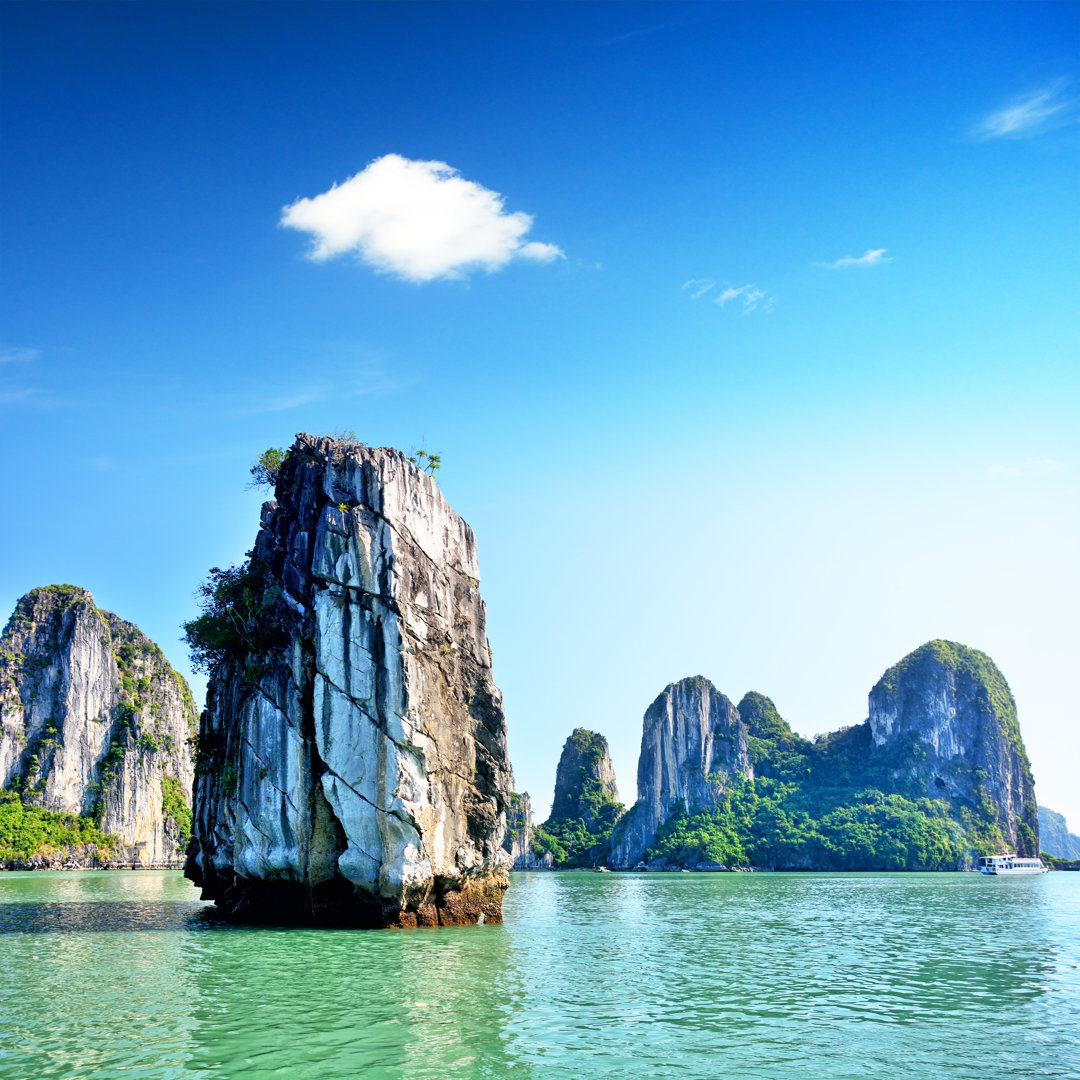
(94, 721)
(946, 719)
(693, 747)
(353, 764)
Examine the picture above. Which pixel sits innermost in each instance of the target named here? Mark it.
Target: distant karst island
(936, 776)
(96, 740)
(351, 764)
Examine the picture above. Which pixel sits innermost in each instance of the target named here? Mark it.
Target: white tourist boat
(1011, 865)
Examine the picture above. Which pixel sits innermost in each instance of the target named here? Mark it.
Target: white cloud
(418, 220)
(872, 257)
(1025, 116)
(17, 354)
(698, 287)
(1034, 466)
(750, 296)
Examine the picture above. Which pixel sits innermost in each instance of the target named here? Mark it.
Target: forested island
(936, 776)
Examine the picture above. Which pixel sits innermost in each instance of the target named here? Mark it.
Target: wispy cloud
(698, 287)
(1027, 115)
(416, 220)
(21, 395)
(345, 378)
(17, 354)
(1033, 466)
(871, 257)
(645, 31)
(749, 296)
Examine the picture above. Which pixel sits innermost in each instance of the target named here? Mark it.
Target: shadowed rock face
(94, 721)
(354, 766)
(518, 842)
(946, 713)
(693, 746)
(1054, 836)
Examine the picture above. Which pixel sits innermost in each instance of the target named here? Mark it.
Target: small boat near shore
(1009, 865)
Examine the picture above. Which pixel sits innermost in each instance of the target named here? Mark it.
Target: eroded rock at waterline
(353, 764)
(94, 723)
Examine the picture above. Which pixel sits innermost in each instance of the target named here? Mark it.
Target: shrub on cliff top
(267, 467)
(426, 460)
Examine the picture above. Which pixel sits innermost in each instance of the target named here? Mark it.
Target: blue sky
(786, 491)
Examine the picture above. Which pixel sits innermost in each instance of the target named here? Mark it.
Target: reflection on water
(771, 976)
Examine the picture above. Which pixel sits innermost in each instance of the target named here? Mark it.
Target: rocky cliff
(352, 757)
(96, 723)
(520, 832)
(934, 777)
(1054, 836)
(585, 778)
(586, 806)
(944, 718)
(693, 748)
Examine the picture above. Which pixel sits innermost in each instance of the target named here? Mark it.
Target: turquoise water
(770, 976)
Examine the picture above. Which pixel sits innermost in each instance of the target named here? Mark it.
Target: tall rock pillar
(353, 764)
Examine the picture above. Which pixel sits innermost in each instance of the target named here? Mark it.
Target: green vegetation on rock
(27, 831)
(585, 809)
(175, 806)
(239, 616)
(267, 467)
(839, 802)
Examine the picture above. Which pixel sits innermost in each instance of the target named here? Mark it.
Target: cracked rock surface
(353, 766)
(693, 747)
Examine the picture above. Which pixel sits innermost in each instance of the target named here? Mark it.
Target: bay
(770, 976)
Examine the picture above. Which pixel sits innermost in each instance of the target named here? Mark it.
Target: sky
(747, 333)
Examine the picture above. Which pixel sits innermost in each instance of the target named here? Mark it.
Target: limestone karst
(936, 775)
(520, 834)
(947, 712)
(1054, 836)
(95, 722)
(353, 763)
(693, 746)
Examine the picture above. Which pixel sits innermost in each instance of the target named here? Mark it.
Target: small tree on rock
(266, 469)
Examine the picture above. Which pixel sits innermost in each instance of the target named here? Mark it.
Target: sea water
(126, 976)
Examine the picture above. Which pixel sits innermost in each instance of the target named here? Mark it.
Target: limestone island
(352, 765)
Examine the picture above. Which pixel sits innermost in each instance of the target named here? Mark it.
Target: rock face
(935, 777)
(95, 722)
(1054, 836)
(518, 843)
(693, 747)
(586, 806)
(584, 779)
(353, 764)
(946, 719)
